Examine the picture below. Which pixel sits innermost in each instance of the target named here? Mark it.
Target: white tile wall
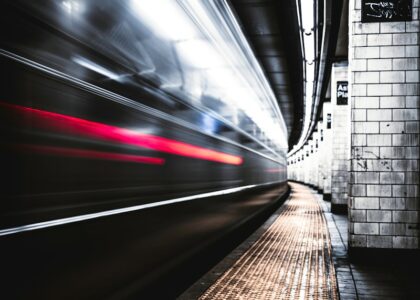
(384, 183)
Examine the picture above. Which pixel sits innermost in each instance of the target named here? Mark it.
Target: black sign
(342, 92)
(386, 10)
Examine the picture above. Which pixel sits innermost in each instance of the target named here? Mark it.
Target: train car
(135, 133)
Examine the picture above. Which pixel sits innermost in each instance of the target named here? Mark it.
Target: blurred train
(134, 134)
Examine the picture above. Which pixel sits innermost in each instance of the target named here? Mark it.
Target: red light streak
(83, 153)
(273, 170)
(75, 126)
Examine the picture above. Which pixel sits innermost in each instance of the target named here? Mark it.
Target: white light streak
(215, 58)
(107, 213)
(95, 67)
(200, 54)
(165, 18)
(71, 6)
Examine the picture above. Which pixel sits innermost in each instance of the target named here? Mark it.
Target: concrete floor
(384, 280)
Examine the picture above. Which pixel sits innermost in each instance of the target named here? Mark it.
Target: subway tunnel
(215, 149)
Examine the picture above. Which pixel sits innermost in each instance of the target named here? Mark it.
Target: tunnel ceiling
(271, 28)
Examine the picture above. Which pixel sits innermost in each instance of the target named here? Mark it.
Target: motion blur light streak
(95, 67)
(83, 153)
(93, 87)
(72, 125)
(217, 61)
(80, 218)
(168, 19)
(273, 170)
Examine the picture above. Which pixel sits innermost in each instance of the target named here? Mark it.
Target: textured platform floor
(291, 259)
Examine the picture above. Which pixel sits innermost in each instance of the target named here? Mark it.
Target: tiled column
(306, 171)
(384, 71)
(291, 169)
(327, 150)
(294, 167)
(309, 163)
(302, 157)
(315, 161)
(298, 166)
(340, 138)
(320, 156)
(303, 160)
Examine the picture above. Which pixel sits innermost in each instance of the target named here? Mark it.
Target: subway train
(135, 135)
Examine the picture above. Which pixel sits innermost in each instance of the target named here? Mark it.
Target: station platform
(301, 253)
